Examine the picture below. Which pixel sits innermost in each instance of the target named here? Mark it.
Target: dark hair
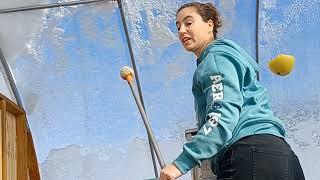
(207, 11)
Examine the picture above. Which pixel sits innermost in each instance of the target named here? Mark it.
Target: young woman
(238, 130)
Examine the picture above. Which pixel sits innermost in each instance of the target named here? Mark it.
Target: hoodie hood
(230, 47)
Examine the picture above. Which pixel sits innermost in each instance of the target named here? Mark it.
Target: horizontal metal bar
(47, 6)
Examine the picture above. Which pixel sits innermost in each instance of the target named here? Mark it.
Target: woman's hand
(170, 172)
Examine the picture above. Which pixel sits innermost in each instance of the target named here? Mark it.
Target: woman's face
(194, 34)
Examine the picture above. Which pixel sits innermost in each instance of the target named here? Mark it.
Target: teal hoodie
(230, 103)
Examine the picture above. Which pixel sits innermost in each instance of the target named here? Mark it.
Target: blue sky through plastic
(291, 27)
(82, 114)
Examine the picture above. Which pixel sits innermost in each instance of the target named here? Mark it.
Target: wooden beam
(18, 160)
(11, 106)
(3, 149)
(22, 165)
(34, 173)
(11, 146)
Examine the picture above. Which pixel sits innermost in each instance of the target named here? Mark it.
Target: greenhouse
(66, 113)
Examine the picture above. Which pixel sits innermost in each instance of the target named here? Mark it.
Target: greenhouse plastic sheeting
(82, 115)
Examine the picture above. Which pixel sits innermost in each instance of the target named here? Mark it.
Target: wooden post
(3, 164)
(34, 173)
(22, 166)
(11, 146)
(18, 160)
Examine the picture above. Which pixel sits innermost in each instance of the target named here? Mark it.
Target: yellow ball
(282, 65)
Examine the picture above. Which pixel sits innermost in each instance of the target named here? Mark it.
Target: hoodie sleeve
(218, 79)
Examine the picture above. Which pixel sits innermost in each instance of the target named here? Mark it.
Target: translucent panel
(239, 22)
(20, 3)
(66, 62)
(18, 31)
(5, 88)
(290, 27)
(82, 115)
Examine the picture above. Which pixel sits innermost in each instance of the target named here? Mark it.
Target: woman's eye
(188, 24)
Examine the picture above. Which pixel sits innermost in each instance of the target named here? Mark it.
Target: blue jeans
(260, 157)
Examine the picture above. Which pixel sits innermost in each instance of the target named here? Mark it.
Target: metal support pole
(136, 77)
(148, 127)
(10, 79)
(257, 35)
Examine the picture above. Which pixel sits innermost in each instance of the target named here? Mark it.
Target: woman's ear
(211, 25)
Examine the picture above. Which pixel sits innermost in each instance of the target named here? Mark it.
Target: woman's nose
(182, 29)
